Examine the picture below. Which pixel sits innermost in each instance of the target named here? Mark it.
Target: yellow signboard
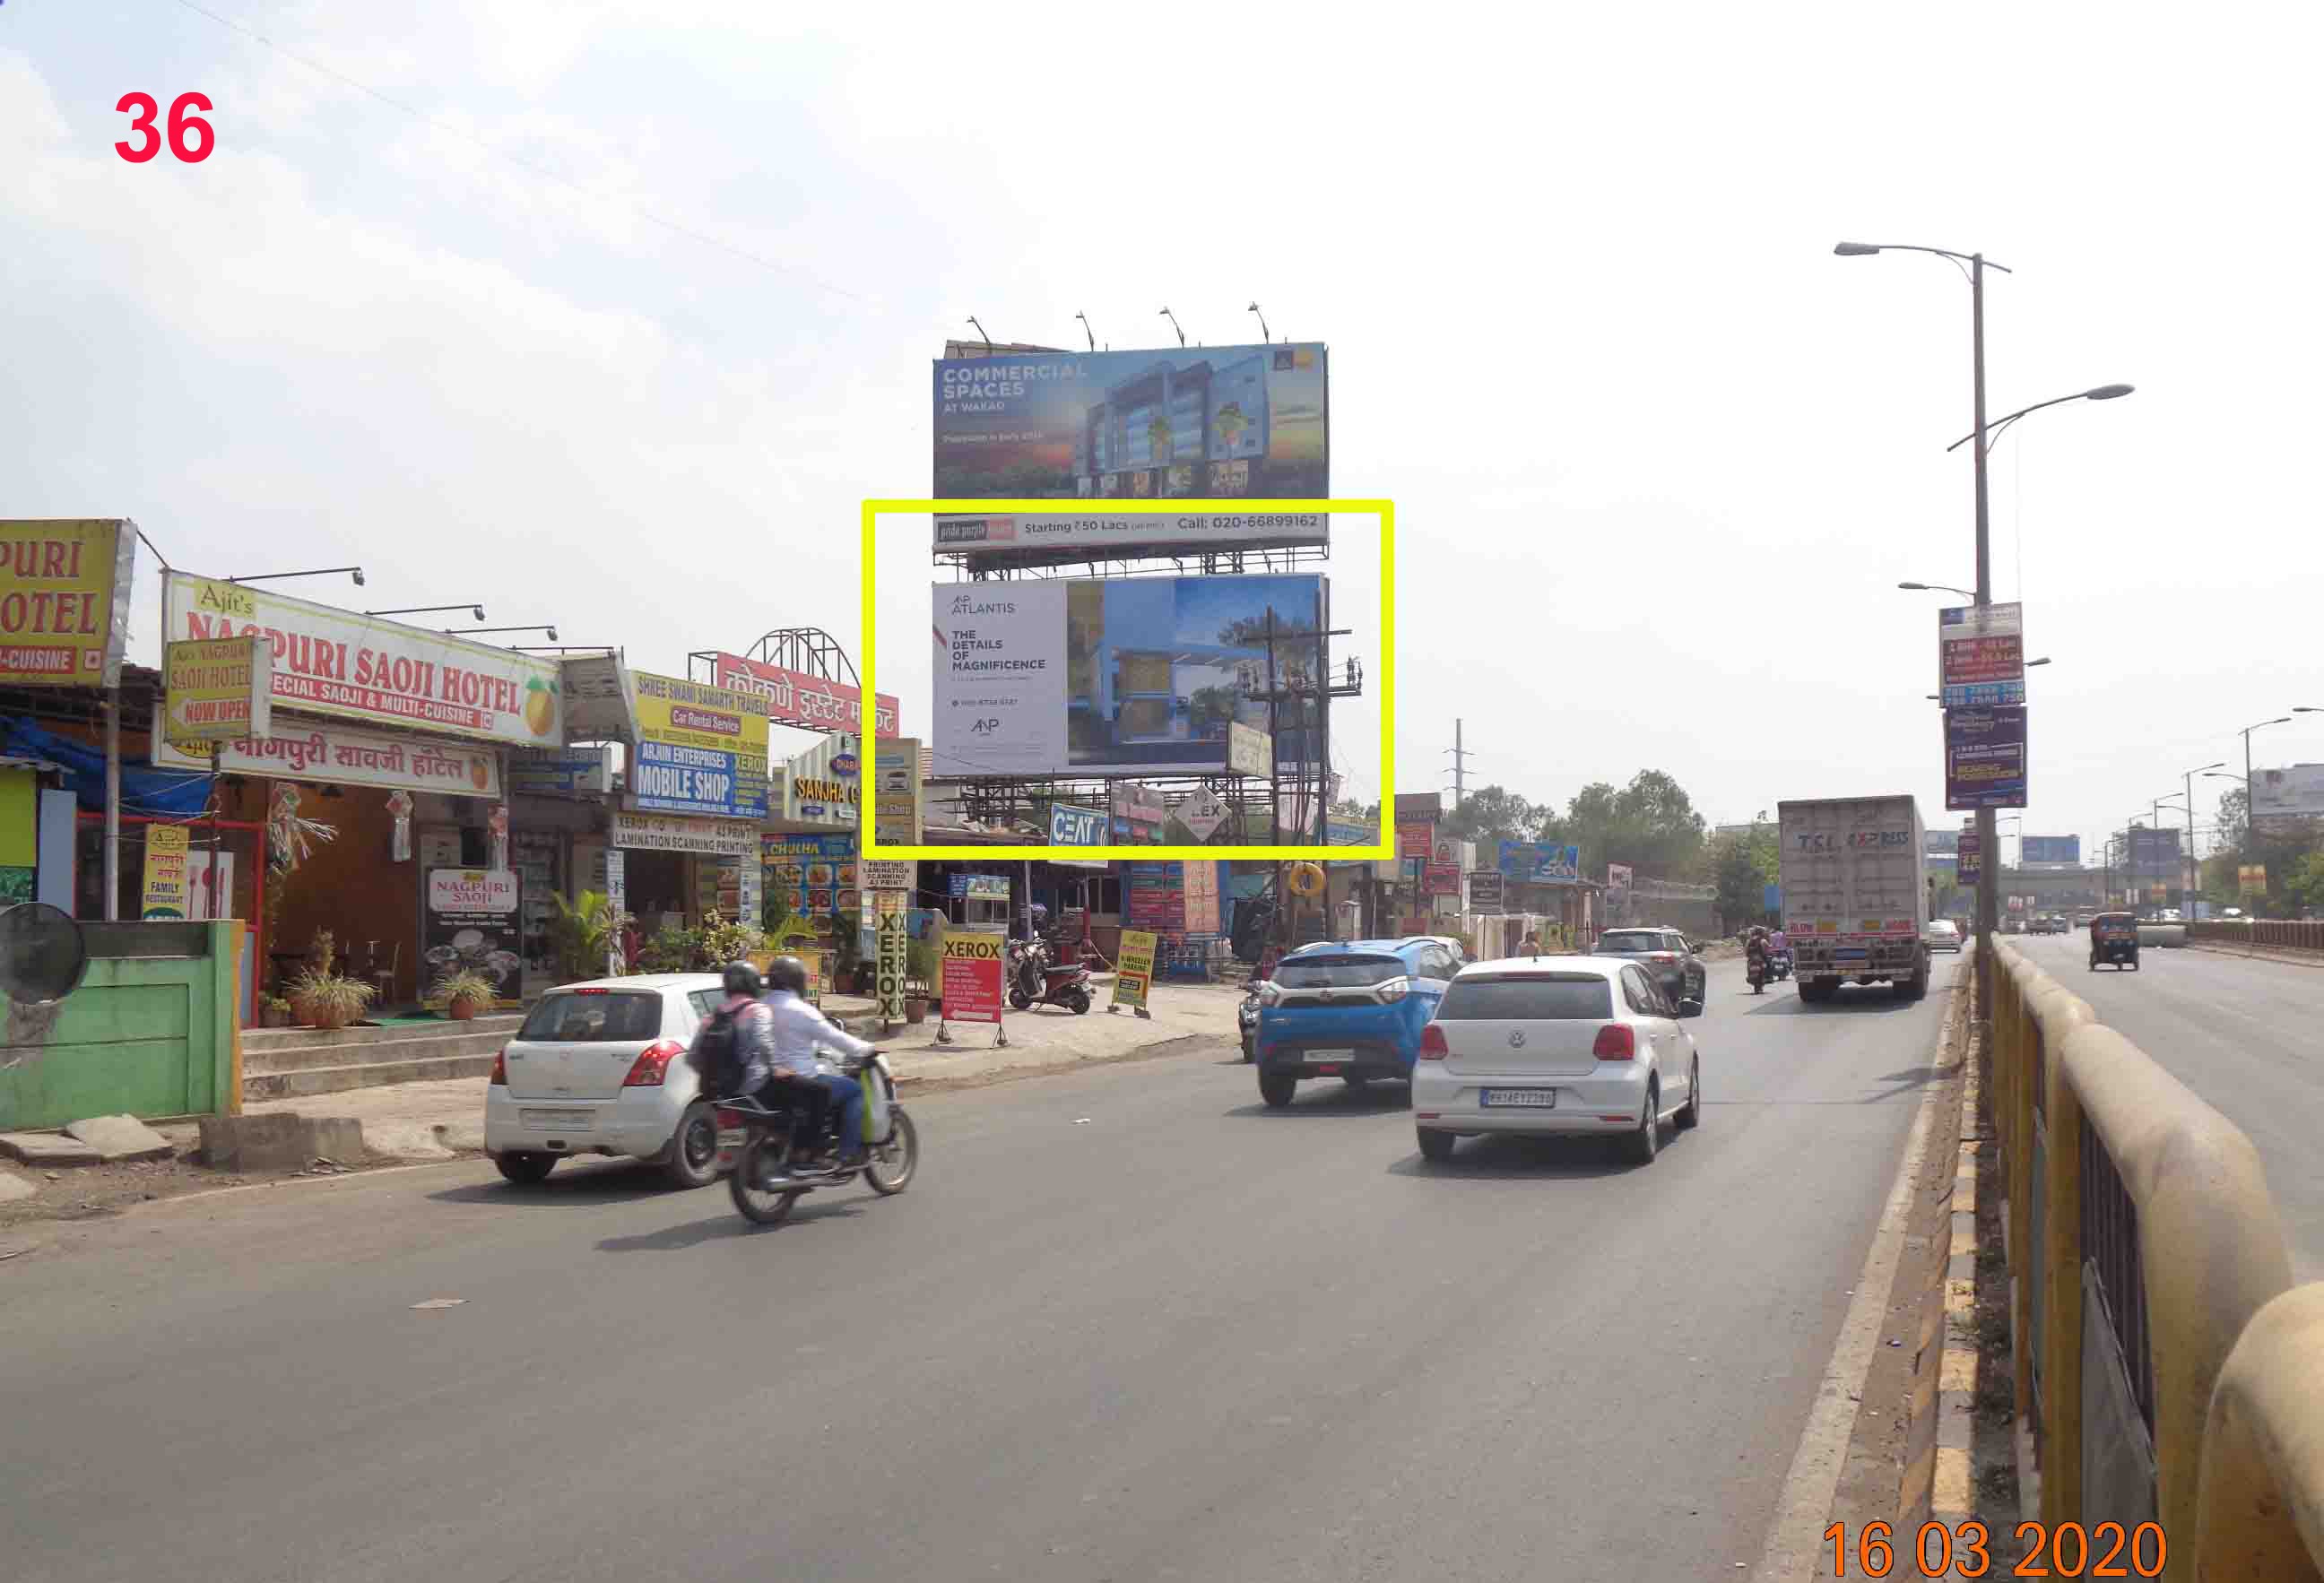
(165, 874)
(218, 689)
(64, 602)
(701, 750)
(1134, 973)
(2251, 878)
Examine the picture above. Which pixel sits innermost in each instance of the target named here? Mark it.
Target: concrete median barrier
(2142, 1244)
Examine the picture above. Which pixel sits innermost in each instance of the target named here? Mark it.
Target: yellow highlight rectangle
(1382, 850)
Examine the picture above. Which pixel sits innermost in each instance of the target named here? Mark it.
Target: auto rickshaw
(2114, 938)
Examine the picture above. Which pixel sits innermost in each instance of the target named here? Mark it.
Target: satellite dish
(42, 954)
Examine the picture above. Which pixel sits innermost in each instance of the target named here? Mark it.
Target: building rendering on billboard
(1222, 422)
(2283, 801)
(1112, 675)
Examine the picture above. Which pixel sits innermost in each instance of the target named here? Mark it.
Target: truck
(1855, 878)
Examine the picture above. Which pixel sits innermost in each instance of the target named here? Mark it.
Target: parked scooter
(1036, 980)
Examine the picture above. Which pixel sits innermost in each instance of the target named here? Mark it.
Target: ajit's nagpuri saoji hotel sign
(701, 750)
(376, 672)
(218, 689)
(64, 601)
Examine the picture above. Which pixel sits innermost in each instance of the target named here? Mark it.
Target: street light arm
(1993, 431)
(1861, 249)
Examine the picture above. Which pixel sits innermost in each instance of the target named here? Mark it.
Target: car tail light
(652, 1063)
(1269, 993)
(500, 1070)
(1393, 990)
(1616, 1041)
(597, 991)
(1663, 956)
(729, 1118)
(1433, 1047)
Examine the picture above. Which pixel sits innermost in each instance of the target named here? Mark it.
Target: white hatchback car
(1585, 1044)
(600, 1069)
(1942, 934)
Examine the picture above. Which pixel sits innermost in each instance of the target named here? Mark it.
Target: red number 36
(191, 137)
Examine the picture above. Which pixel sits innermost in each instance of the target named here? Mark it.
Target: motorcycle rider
(1754, 950)
(1779, 944)
(795, 1027)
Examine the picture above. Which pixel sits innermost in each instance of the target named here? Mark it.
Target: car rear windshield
(593, 1019)
(1531, 997)
(1338, 972)
(1622, 945)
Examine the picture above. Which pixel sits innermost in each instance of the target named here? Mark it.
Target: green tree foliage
(2305, 884)
(1650, 823)
(1489, 815)
(1740, 884)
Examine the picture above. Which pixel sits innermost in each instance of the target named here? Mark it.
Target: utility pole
(1459, 764)
(1988, 874)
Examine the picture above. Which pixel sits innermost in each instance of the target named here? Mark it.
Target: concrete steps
(280, 1063)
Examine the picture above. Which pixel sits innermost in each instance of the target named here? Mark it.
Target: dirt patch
(84, 1192)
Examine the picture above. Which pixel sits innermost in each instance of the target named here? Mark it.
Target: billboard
(1967, 869)
(1985, 757)
(809, 703)
(2284, 800)
(701, 750)
(64, 602)
(1110, 676)
(372, 671)
(1940, 843)
(1218, 422)
(2051, 849)
(1981, 656)
(1533, 863)
(2154, 851)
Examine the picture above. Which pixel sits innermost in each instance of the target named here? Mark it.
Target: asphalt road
(1127, 1325)
(2246, 1034)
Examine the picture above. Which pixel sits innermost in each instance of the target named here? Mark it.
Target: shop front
(675, 869)
(809, 848)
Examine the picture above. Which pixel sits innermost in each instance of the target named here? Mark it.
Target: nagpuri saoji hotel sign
(331, 661)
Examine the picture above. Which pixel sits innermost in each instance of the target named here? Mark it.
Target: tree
(1251, 632)
(1741, 893)
(1489, 815)
(2305, 885)
(1650, 823)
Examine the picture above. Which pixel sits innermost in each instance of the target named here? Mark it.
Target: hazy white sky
(1659, 457)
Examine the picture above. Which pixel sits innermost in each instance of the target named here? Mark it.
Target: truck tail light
(1616, 1041)
(1433, 1047)
(652, 1065)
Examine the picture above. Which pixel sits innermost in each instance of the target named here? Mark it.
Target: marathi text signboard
(1139, 811)
(1134, 973)
(894, 937)
(1539, 863)
(809, 703)
(473, 925)
(329, 661)
(1440, 880)
(218, 689)
(1985, 757)
(972, 972)
(1981, 656)
(64, 602)
(1415, 840)
(701, 750)
(296, 750)
(165, 898)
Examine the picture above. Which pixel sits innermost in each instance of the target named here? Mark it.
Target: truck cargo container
(1856, 893)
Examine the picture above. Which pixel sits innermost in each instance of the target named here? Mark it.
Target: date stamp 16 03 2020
(1965, 1551)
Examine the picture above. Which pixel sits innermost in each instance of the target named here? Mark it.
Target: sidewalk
(438, 1120)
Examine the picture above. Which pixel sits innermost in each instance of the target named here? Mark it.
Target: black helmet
(787, 972)
(742, 979)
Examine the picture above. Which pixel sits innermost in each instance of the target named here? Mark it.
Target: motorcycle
(1036, 981)
(1247, 1019)
(1756, 970)
(771, 1162)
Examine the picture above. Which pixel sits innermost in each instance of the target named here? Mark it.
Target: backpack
(716, 1055)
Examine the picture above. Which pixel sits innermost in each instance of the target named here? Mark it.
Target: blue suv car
(1351, 1010)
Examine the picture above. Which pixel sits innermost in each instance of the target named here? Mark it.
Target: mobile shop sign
(1084, 428)
(218, 689)
(1072, 826)
(1985, 757)
(329, 661)
(1534, 863)
(701, 750)
(810, 703)
(895, 794)
(1981, 656)
(302, 751)
(1108, 675)
(972, 969)
(64, 602)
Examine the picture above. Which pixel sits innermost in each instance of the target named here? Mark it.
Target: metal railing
(2142, 1242)
(2296, 934)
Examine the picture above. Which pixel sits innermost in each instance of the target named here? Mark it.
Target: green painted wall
(150, 1032)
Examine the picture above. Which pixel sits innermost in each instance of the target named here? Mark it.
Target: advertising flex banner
(973, 971)
(165, 895)
(1537, 863)
(1112, 675)
(894, 936)
(1084, 428)
(2283, 801)
(815, 874)
(1985, 757)
(2066, 849)
(474, 923)
(810, 703)
(218, 689)
(701, 750)
(377, 672)
(1981, 656)
(895, 791)
(1134, 973)
(64, 601)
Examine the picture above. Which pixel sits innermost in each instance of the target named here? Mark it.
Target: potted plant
(919, 973)
(464, 992)
(274, 1012)
(325, 999)
(583, 933)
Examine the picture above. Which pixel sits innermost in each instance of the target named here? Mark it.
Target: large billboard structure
(2284, 801)
(2064, 850)
(1084, 428)
(1123, 676)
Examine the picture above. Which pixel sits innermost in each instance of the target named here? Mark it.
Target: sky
(614, 316)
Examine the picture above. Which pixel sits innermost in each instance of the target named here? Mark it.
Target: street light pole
(2191, 871)
(1988, 874)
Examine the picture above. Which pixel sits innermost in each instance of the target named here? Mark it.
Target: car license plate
(1518, 1099)
(1329, 1057)
(733, 1138)
(548, 1119)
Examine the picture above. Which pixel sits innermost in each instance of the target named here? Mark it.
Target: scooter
(1756, 972)
(1247, 1020)
(1039, 981)
(1781, 964)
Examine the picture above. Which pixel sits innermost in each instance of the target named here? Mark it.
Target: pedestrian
(1531, 944)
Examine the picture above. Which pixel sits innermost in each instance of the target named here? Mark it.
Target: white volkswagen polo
(1585, 1044)
(600, 1069)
